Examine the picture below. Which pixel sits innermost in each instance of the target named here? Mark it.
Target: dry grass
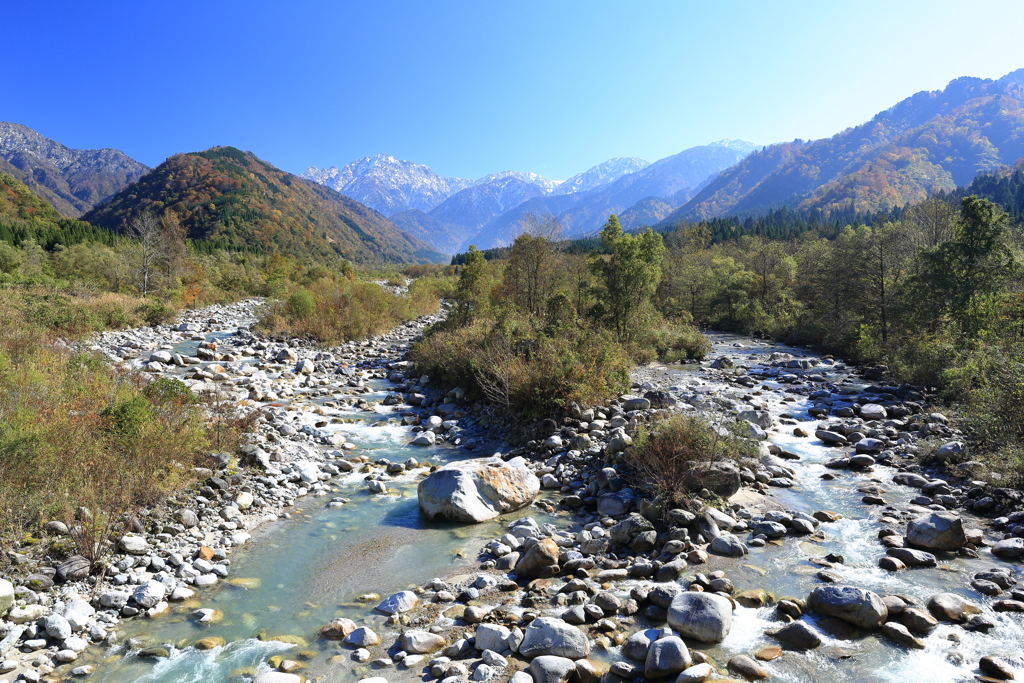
(671, 456)
(75, 433)
(333, 310)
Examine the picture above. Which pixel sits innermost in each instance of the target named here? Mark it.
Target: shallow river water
(314, 566)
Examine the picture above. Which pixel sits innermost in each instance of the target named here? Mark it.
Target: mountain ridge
(235, 200)
(71, 180)
(930, 141)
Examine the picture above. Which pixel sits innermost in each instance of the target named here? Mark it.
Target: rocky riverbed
(831, 551)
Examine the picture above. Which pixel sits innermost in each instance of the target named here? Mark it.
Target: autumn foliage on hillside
(231, 199)
(930, 142)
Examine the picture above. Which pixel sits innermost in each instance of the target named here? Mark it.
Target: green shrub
(157, 313)
(523, 369)
(127, 417)
(301, 304)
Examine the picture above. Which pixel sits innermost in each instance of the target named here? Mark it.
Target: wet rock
(477, 490)
(854, 605)
(918, 621)
(1008, 606)
(950, 607)
(891, 564)
(756, 597)
(912, 558)
(798, 635)
(936, 531)
(549, 636)
(336, 629)
(747, 667)
(898, 633)
(701, 616)
(996, 667)
(829, 437)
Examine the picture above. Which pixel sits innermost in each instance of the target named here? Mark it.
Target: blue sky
(474, 87)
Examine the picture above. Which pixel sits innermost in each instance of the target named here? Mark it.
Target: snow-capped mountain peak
(602, 174)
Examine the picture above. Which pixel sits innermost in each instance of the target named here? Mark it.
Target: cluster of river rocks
(556, 602)
(614, 590)
(53, 610)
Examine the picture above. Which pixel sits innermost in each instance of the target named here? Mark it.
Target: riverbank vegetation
(544, 327)
(81, 442)
(933, 298)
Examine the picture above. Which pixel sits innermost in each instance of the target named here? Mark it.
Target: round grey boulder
(854, 605)
(550, 636)
(551, 669)
(701, 616)
(667, 657)
(937, 531)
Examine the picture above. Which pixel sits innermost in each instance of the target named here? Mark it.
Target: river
(315, 566)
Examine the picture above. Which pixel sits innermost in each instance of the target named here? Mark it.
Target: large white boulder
(477, 490)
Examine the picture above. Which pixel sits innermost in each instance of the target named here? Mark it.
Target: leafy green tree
(468, 297)
(963, 277)
(630, 275)
(531, 270)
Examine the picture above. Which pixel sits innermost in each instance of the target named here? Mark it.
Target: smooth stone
(550, 636)
(701, 616)
(855, 605)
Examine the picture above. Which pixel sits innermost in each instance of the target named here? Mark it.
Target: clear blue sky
(474, 87)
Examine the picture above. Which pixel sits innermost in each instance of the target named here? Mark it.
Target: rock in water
(798, 635)
(399, 602)
(747, 667)
(702, 616)
(854, 605)
(937, 531)
(477, 490)
(898, 633)
(667, 657)
(1009, 548)
(951, 607)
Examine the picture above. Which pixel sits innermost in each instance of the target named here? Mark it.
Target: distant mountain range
(452, 213)
(384, 209)
(232, 199)
(71, 180)
(928, 142)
